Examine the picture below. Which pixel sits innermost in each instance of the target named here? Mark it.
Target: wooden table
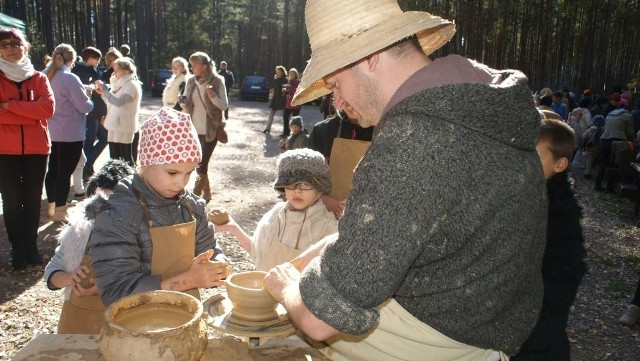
(85, 348)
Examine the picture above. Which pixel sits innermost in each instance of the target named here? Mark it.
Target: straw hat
(372, 25)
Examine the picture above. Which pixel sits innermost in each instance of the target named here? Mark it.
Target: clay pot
(154, 325)
(250, 301)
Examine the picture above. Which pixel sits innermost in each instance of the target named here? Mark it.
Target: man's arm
(282, 282)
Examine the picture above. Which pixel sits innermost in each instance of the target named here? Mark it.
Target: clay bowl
(250, 301)
(154, 325)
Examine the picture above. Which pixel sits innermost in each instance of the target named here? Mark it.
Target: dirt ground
(241, 174)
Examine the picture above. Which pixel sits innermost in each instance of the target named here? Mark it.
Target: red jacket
(23, 125)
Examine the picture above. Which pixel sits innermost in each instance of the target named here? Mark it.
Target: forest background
(576, 44)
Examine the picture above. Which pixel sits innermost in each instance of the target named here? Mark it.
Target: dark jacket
(88, 75)
(324, 132)
(228, 78)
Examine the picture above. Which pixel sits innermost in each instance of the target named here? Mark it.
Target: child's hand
(205, 273)
(81, 291)
(282, 143)
(78, 274)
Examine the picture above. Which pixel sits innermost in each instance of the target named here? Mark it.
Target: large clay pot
(154, 325)
(249, 299)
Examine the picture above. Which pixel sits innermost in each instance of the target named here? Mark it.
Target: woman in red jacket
(26, 101)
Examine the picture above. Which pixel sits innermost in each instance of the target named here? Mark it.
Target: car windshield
(164, 74)
(255, 80)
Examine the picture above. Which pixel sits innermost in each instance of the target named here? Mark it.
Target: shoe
(60, 214)
(588, 176)
(82, 195)
(35, 259)
(266, 131)
(18, 262)
(631, 316)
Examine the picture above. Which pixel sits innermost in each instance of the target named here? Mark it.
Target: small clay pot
(154, 325)
(250, 301)
(219, 217)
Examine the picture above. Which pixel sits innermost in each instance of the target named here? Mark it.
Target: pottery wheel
(221, 318)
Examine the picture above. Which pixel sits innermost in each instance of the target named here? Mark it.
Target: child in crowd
(563, 265)
(153, 234)
(291, 227)
(83, 310)
(591, 140)
(298, 137)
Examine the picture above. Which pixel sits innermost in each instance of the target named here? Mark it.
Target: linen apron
(172, 247)
(82, 314)
(345, 156)
(401, 336)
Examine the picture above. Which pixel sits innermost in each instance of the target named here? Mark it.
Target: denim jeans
(92, 150)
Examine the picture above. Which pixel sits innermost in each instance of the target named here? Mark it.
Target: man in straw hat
(439, 251)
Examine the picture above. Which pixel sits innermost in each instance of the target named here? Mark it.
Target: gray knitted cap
(303, 165)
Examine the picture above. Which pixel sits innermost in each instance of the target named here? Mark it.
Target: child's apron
(173, 247)
(401, 336)
(82, 314)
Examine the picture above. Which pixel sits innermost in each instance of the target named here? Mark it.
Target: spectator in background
(123, 106)
(289, 90)
(544, 104)
(586, 94)
(558, 106)
(228, 82)
(205, 100)
(591, 139)
(614, 103)
(278, 98)
(175, 85)
(88, 74)
(109, 57)
(24, 145)
(68, 128)
(631, 316)
(298, 137)
(125, 50)
(599, 105)
(618, 125)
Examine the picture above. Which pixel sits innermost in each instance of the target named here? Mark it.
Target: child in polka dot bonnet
(154, 234)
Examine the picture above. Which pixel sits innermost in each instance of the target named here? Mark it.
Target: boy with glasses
(293, 226)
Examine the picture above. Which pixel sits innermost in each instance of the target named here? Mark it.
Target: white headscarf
(19, 71)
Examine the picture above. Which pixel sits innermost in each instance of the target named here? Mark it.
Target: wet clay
(217, 216)
(152, 317)
(250, 301)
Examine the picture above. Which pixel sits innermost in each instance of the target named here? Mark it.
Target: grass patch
(633, 258)
(619, 286)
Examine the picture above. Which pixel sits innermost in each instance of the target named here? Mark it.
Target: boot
(197, 188)
(60, 214)
(631, 316)
(206, 189)
(51, 210)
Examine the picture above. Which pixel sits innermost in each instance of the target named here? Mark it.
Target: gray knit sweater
(447, 215)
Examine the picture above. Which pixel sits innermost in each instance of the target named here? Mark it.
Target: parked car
(159, 81)
(256, 87)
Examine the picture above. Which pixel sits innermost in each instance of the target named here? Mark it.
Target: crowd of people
(436, 253)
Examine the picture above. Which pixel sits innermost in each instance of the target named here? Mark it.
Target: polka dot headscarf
(168, 137)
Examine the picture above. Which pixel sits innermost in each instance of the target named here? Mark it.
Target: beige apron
(345, 156)
(173, 247)
(82, 314)
(401, 336)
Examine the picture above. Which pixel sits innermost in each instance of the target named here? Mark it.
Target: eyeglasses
(303, 186)
(13, 45)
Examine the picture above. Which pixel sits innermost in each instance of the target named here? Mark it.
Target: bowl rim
(229, 281)
(144, 298)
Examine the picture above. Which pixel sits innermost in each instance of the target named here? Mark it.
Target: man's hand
(279, 278)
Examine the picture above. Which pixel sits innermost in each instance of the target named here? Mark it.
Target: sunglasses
(13, 45)
(303, 186)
